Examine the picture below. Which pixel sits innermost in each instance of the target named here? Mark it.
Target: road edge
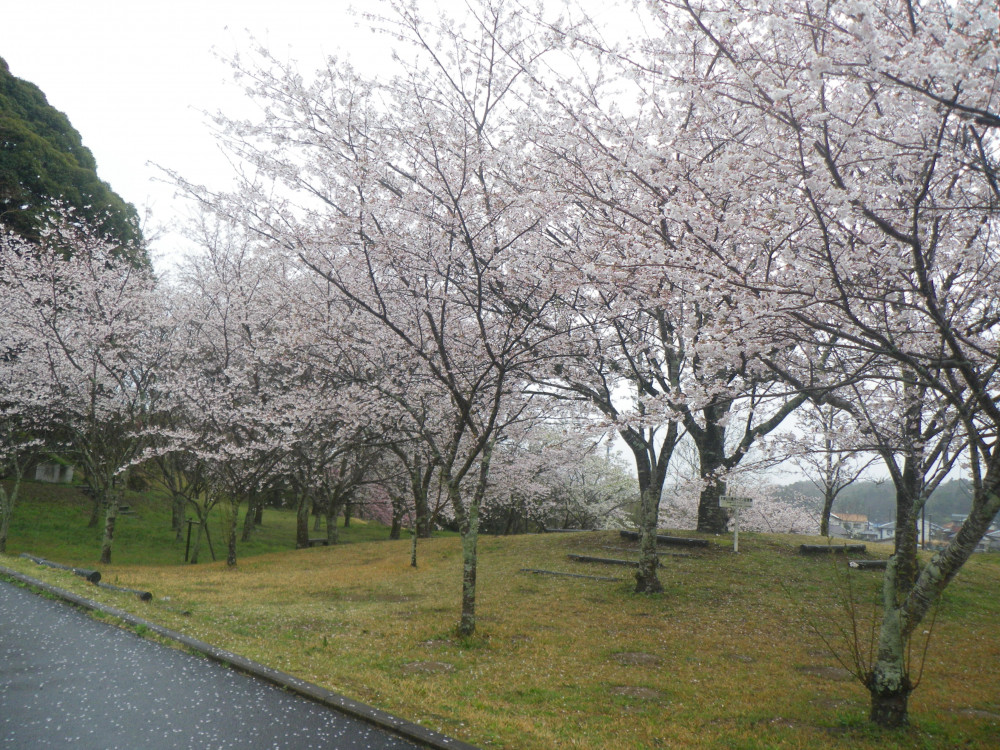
(400, 727)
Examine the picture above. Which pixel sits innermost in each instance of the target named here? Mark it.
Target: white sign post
(736, 504)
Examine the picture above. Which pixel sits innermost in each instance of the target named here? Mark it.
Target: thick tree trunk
(824, 521)
(646, 579)
(95, 508)
(711, 518)
(651, 470)
(889, 682)
(347, 515)
(422, 511)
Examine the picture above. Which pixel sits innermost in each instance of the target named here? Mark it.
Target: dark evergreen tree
(43, 160)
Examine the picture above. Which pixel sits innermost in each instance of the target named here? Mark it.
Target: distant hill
(42, 158)
(877, 500)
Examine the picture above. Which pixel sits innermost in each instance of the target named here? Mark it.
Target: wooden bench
(681, 541)
(830, 549)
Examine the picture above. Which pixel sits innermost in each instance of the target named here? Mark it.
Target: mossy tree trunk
(652, 457)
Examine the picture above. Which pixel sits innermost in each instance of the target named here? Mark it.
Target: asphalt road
(69, 681)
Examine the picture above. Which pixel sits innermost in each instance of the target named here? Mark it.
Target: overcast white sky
(134, 77)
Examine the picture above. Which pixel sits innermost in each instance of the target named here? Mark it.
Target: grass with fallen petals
(727, 657)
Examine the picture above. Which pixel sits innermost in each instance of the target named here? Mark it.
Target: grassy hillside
(727, 657)
(50, 521)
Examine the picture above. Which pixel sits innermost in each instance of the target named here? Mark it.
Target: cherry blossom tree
(828, 448)
(855, 191)
(20, 427)
(232, 378)
(87, 321)
(407, 197)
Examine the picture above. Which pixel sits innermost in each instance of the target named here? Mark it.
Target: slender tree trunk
(413, 544)
(347, 514)
(234, 517)
(824, 522)
(420, 482)
(333, 506)
(258, 513)
(178, 505)
(470, 559)
(110, 518)
(317, 512)
(470, 539)
(7, 500)
(5, 525)
(255, 499)
(196, 547)
(301, 520)
(650, 472)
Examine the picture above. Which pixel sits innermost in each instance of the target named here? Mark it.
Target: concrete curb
(386, 721)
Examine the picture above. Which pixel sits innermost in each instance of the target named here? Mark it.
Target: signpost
(736, 504)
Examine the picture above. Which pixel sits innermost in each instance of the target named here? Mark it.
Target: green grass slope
(50, 521)
(732, 655)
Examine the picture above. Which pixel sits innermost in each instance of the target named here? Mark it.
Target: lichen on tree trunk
(646, 579)
(470, 539)
(888, 682)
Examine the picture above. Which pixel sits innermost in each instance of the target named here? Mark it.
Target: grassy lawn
(727, 657)
(50, 521)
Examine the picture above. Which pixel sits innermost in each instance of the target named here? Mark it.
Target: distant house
(886, 530)
(853, 523)
(50, 471)
(990, 542)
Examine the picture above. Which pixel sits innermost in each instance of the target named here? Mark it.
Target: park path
(69, 681)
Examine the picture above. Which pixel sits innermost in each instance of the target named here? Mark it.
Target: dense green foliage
(43, 159)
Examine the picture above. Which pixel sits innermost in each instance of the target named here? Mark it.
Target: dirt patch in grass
(427, 667)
